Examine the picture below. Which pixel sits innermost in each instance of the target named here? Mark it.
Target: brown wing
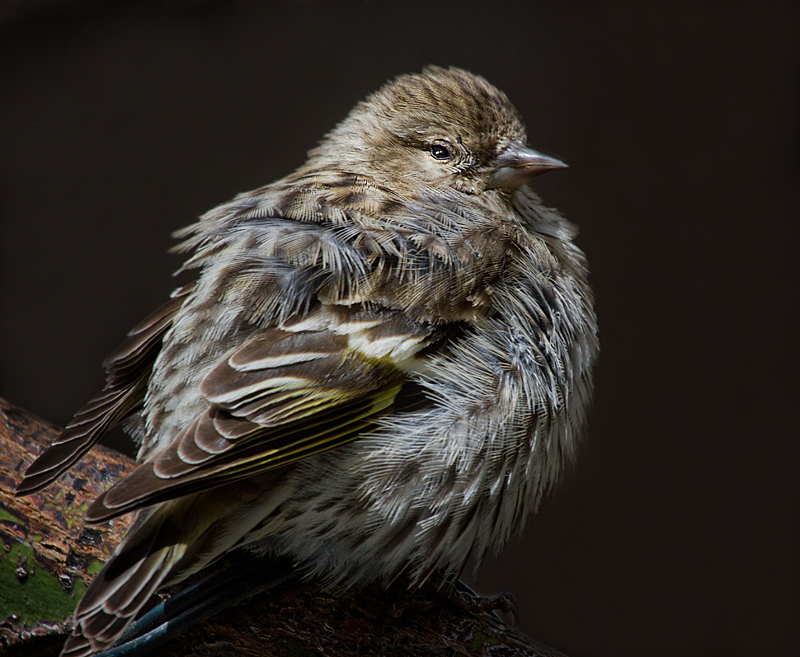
(284, 394)
(128, 369)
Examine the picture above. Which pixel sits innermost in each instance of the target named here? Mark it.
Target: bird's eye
(440, 151)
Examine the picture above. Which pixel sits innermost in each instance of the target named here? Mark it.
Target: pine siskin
(382, 364)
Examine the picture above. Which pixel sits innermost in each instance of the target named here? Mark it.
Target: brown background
(677, 534)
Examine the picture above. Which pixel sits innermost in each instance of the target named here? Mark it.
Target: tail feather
(101, 628)
(98, 627)
(165, 545)
(124, 585)
(128, 599)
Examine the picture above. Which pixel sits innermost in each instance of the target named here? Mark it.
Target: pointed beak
(517, 164)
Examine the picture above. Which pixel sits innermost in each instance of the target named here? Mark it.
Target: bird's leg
(242, 577)
(503, 602)
(469, 600)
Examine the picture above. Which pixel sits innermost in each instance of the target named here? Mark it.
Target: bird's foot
(471, 601)
(502, 602)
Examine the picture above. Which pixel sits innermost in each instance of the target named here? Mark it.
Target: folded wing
(284, 394)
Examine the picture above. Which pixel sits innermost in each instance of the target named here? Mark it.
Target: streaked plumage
(382, 365)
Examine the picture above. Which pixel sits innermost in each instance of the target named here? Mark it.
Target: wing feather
(171, 476)
(282, 395)
(128, 369)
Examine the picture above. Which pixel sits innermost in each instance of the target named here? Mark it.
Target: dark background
(677, 533)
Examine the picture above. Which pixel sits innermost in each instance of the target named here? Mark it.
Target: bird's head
(439, 129)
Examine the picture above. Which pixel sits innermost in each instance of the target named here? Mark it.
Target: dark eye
(441, 151)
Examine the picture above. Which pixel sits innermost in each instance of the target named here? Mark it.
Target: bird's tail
(167, 543)
(118, 592)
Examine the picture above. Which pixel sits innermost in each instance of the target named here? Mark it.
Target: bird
(381, 364)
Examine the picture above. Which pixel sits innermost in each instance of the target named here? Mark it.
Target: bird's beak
(517, 164)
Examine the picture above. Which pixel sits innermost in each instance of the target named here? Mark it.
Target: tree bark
(48, 558)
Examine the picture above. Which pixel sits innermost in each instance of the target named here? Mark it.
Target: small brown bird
(383, 363)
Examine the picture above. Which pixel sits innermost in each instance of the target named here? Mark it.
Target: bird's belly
(380, 506)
